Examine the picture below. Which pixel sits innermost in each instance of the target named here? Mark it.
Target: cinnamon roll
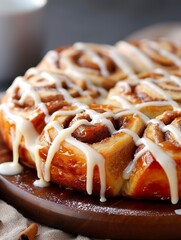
(83, 148)
(100, 64)
(33, 98)
(154, 172)
(99, 119)
(150, 93)
(146, 55)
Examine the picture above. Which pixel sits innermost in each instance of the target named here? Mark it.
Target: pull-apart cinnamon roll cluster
(100, 119)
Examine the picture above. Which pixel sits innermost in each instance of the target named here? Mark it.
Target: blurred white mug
(21, 36)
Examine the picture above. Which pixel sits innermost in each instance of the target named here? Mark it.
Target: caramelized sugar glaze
(100, 119)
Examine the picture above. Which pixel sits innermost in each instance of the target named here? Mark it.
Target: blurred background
(104, 21)
(101, 21)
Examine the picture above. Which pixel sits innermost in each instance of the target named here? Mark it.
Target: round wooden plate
(76, 213)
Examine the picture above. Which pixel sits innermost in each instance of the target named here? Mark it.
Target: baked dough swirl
(155, 171)
(33, 98)
(150, 93)
(100, 119)
(146, 55)
(80, 146)
(100, 64)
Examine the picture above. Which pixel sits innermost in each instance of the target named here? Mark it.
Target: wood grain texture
(76, 213)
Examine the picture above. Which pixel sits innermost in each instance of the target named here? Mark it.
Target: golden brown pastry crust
(69, 165)
(148, 179)
(151, 93)
(85, 138)
(145, 55)
(95, 62)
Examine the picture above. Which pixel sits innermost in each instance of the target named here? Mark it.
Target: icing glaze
(22, 128)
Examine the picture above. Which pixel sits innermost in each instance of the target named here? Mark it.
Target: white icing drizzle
(24, 128)
(168, 165)
(172, 78)
(153, 103)
(92, 50)
(52, 57)
(126, 104)
(58, 79)
(94, 56)
(12, 168)
(166, 161)
(123, 102)
(178, 211)
(27, 90)
(41, 183)
(136, 52)
(135, 112)
(41, 180)
(111, 52)
(73, 69)
(163, 52)
(119, 60)
(155, 87)
(63, 134)
(151, 83)
(162, 157)
(125, 84)
(92, 157)
(174, 130)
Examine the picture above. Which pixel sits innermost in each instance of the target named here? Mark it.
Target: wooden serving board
(76, 213)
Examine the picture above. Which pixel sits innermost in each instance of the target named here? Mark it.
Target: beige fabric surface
(13, 223)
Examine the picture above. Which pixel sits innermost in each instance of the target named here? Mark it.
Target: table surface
(103, 21)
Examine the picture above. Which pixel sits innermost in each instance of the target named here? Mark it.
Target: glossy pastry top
(158, 158)
(146, 55)
(151, 93)
(100, 64)
(100, 119)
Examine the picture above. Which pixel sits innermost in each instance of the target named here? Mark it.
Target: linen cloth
(13, 222)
